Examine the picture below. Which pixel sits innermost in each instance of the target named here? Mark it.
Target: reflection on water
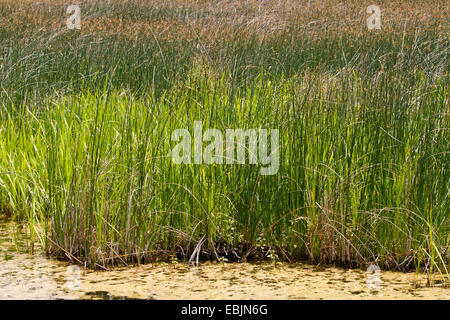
(24, 276)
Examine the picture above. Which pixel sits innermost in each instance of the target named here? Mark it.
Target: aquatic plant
(363, 118)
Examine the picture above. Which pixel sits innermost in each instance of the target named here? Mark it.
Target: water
(25, 276)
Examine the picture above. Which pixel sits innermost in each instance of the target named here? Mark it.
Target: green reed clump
(86, 121)
(363, 171)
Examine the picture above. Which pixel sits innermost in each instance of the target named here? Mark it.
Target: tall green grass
(363, 172)
(86, 121)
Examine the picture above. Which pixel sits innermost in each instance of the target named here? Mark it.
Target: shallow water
(25, 276)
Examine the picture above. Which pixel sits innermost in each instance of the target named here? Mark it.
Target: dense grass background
(86, 120)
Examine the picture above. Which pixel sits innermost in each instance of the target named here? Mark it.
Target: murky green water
(25, 276)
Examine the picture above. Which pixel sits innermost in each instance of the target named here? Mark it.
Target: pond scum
(86, 118)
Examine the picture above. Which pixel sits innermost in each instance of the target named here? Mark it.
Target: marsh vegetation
(86, 118)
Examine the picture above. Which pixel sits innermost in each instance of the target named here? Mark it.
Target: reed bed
(86, 120)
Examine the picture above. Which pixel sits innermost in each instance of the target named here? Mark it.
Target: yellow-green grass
(86, 119)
